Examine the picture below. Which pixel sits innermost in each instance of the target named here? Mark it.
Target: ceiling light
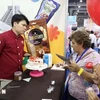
(77, 10)
(81, 1)
(79, 6)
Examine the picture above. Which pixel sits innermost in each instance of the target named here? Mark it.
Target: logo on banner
(2, 91)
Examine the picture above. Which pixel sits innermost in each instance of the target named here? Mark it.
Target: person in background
(98, 44)
(93, 39)
(72, 53)
(12, 47)
(82, 68)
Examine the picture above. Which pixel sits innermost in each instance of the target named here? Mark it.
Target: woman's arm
(96, 75)
(96, 79)
(74, 67)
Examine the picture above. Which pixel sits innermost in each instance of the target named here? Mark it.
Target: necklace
(77, 60)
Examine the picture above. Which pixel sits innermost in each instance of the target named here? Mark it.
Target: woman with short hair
(83, 67)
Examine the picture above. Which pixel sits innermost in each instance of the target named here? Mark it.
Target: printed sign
(37, 38)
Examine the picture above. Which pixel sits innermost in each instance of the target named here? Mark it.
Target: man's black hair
(19, 17)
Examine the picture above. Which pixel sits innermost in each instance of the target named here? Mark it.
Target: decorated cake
(33, 61)
(36, 65)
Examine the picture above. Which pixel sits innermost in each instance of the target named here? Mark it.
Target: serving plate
(36, 67)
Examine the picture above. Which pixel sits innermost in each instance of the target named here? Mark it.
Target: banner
(56, 31)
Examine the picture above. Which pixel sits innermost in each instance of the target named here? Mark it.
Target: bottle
(47, 59)
(18, 75)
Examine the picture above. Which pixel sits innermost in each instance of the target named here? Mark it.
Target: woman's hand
(73, 66)
(91, 94)
(96, 77)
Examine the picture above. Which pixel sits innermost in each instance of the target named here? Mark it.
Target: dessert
(35, 61)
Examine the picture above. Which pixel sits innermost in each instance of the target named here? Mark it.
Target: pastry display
(35, 63)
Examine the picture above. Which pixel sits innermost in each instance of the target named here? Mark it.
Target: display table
(36, 88)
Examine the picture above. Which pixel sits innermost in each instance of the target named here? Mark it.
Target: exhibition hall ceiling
(78, 8)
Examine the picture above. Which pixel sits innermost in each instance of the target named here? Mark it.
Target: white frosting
(37, 61)
(36, 64)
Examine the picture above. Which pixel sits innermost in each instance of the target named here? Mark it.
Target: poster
(36, 38)
(56, 31)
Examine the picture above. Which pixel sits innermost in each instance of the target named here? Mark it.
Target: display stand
(36, 73)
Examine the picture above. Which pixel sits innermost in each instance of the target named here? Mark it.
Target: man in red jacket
(12, 47)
